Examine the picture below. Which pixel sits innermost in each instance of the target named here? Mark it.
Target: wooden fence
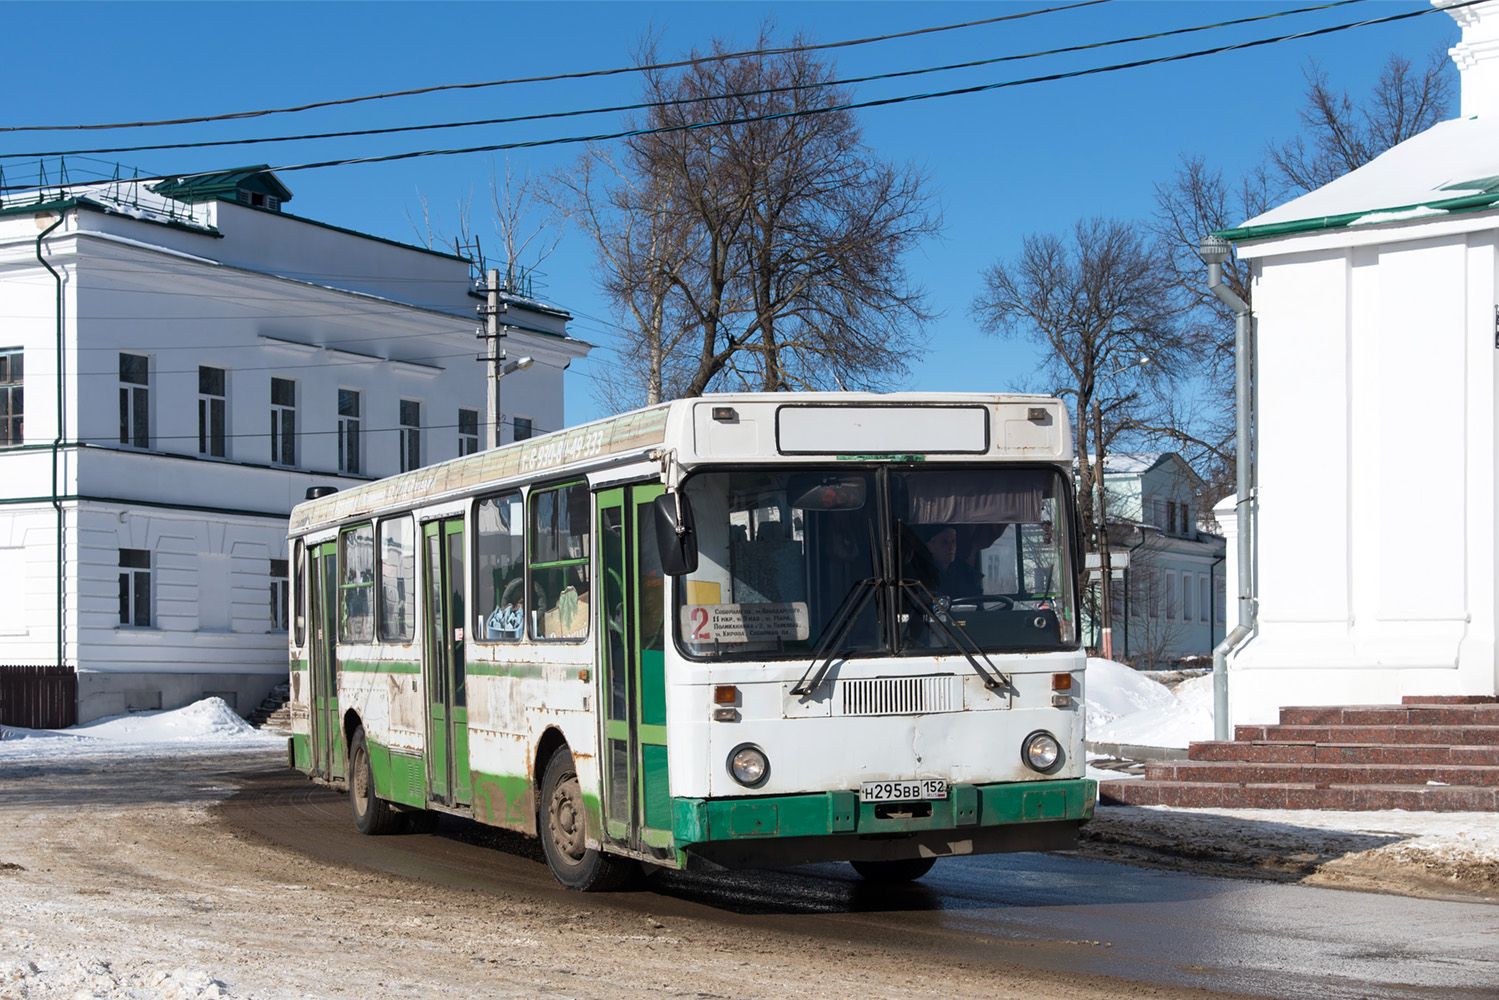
(38, 697)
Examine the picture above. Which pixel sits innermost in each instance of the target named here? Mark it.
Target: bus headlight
(1041, 751)
(748, 765)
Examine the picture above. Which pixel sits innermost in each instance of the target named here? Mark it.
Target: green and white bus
(732, 631)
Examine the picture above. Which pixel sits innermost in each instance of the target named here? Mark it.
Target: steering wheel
(999, 600)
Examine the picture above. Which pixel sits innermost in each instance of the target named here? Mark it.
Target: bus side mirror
(675, 537)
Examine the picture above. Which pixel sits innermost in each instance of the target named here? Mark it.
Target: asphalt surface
(1051, 912)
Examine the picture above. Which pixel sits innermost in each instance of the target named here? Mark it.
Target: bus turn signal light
(725, 694)
(1061, 682)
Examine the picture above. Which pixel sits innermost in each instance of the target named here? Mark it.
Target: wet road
(1039, 911)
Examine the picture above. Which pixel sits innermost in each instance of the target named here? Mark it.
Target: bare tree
(748, 237)
(1341, 136)
(1099, 302)
(524, 240)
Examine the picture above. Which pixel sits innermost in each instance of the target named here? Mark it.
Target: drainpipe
(1214, 251)
(57, 441)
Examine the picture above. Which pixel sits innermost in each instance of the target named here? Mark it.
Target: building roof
(1449, 169)
(224, 185)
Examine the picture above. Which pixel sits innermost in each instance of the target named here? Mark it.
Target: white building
(1378, 360)
(219, 357)
(1167, 602)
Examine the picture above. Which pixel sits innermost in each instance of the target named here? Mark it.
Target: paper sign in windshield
(745, 622)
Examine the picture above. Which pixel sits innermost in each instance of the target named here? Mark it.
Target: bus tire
(562, 827)
(372, 815)
(890, 872)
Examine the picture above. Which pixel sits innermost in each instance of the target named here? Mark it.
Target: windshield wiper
(842, 622)
(833, 638)
(991, 675)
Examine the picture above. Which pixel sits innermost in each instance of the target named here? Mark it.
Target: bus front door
(637, 796)
(326, 736)
(448, 777)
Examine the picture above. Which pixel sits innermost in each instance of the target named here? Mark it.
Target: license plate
(903, 791)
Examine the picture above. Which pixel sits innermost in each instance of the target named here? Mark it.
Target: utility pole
(493, 331)
(1105, 587)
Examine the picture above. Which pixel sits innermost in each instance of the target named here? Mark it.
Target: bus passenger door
(448, 774)
(632, 699)
(326, 736)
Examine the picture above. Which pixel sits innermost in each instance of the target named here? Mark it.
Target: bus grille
(900, 695)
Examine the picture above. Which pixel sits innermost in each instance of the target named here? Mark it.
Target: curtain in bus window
(500, 576)
(356, 582)
(397, 579)
(1013, 496)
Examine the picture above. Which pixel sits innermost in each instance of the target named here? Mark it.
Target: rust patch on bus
(511, 807)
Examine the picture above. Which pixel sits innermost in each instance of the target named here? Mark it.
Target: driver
(955, 577)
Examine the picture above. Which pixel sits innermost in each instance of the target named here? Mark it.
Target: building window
(283, 421)
(135, 400)
(211, 411)
(1204, 598)
(135, 587)
(468, 431)
(411, 435)
(1186, 597)
(280, 594)
(348, 431)
(10, 396)
(1170, 595)
(523, 429)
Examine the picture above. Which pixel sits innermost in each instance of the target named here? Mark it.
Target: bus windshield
(877, 561)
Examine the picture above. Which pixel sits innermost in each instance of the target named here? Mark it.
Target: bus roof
(740, 428)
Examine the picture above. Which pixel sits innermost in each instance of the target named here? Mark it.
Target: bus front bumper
(836, 826)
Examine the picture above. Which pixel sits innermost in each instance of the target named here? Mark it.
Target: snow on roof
(1451, 167)
(1130, 462)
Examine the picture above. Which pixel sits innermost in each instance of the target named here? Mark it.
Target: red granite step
(1249, 772)
(1449, 699)
(1344, 753)
(1299, 795)
(1459, 735)
(1413, 714)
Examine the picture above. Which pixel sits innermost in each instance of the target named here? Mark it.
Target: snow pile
(1125, 706)
(209, 724)
(99, 977)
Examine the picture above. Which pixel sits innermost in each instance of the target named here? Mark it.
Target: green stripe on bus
(524, 670)
(380, 666)
(696, 821)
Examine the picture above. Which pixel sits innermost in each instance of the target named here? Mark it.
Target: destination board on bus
(745, 622)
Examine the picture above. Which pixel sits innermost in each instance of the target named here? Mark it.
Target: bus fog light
(749, 766)
(1041, 751)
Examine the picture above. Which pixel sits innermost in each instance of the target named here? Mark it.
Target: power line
(850, 106)
(620, 108)
(583, 74)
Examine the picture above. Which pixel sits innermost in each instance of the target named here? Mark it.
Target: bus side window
(500, 570)
(559, 554)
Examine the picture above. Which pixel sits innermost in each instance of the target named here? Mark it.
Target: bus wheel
(905, 870)
(562, 824)
(372, 814)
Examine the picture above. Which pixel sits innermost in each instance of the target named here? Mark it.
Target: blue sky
(1005, 163)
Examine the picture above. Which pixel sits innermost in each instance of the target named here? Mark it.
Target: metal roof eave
(1324, 223)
